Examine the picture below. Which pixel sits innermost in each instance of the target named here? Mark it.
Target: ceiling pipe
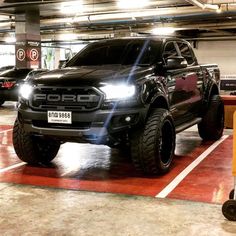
(220, 1)
(204, 5)
(161, 20)
(213, 38)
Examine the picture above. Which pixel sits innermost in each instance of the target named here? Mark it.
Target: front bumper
(101, 126)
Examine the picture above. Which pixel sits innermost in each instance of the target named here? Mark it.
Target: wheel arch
(158, 102)
(213, 90)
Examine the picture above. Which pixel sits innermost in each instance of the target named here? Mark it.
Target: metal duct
(220, 1)
(203, 5)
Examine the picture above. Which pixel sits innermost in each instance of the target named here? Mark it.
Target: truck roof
(151, 37)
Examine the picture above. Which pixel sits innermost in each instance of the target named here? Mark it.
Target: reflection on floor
(99, 168)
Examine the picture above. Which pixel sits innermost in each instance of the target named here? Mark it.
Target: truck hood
(92, 75)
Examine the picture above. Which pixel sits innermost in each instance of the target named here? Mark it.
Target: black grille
(64, 98)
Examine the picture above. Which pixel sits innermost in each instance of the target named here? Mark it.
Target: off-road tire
(152, 147)
(212, 125)
(1, 102)
(32, 149)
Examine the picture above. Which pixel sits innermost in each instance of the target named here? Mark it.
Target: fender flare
(211, 89)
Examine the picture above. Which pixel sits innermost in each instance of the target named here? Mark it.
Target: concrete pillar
(28, 40)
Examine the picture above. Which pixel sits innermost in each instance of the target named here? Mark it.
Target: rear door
(193, 79)
(184, 94)
(178, 88)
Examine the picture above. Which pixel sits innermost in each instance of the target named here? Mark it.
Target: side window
(169, 51)
(186, 52)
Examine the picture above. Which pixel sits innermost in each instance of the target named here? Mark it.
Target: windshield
(124, 52)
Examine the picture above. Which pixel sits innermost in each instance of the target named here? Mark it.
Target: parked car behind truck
(136, 92)
(10, 81)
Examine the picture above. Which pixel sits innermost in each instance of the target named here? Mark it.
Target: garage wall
(222, 53)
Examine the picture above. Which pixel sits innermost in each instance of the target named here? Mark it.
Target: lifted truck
(132, 92)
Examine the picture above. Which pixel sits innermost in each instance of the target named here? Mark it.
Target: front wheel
(212, 124)
(152, 148)
(32, 149)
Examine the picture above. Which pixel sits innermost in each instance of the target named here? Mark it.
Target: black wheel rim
(166, 143)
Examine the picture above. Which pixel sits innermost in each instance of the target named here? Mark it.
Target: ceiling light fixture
(163, 31)
(10, 39)
(219, 10)
(65, 37)
(72, 7)
(131, 4)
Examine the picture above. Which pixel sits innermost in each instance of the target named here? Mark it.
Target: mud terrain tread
(212, 125)
(32, 150)
(144, 143)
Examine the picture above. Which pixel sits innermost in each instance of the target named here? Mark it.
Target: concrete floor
(28, 210)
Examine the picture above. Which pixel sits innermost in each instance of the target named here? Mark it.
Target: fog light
(127, 118)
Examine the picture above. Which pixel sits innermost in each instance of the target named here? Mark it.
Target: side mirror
(175, 63)
(62, 63)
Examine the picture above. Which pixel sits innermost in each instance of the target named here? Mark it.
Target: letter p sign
(34, 54)
(20, 54)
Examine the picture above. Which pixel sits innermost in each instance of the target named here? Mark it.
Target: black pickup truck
(131, 92)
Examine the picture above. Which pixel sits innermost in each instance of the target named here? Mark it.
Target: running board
(187, 125)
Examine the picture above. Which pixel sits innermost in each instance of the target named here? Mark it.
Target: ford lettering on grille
(65, 98)
(82, 99)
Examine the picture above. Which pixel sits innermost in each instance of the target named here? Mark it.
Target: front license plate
(60, 117)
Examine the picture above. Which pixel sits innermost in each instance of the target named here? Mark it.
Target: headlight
(25, 91)
(118, 91)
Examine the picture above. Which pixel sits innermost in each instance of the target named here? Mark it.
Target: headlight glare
(25, 91)
(118, 91)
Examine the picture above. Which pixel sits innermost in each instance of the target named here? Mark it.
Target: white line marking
(12, 167)
(4, 131)
(172, 185)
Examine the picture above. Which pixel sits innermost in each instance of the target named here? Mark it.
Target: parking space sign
(34, 54)
(20, 54)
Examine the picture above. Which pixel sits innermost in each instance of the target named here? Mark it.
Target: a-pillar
(28, 40)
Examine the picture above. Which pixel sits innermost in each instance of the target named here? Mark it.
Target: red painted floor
(99, 168)
(212, 180)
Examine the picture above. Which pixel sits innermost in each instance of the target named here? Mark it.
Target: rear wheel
(152, 148)
(212, 125)
(32, 149)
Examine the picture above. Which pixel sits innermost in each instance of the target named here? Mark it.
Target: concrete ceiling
(89, 19)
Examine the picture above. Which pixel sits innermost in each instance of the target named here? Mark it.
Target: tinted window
(169, 51)
(141, 53)
(186, 52)
(126, 52)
